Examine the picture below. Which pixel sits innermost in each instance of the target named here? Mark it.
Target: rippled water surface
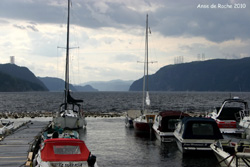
(107, 138)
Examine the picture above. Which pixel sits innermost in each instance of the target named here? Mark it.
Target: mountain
(55, 84)
(58, 85)
(113, 85)
(18, 79)
(210, 75)
(86, 88)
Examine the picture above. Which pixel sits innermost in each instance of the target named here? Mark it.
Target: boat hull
(233, 159)
(191, 145)
(163, 136)
(222, 156)
(142, 126)
(69, 122)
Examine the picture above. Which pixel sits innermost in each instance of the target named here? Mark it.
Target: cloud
(19, 26)
(170, 18)
(32, 27)
(217, 25)
(111, 34)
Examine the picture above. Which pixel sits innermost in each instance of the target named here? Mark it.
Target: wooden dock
(14, 148)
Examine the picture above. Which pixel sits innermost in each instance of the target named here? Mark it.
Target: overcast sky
(110, 35)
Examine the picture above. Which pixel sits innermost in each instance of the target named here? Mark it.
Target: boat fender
(91, 161)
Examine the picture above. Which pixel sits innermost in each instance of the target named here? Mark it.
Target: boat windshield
(64, 149)
(172, 123)
(202, 129)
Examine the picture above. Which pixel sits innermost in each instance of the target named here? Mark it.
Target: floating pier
(15, 148)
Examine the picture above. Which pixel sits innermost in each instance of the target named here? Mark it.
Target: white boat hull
(69, 122)
(163, 136)
(186, 145)
(240, 159)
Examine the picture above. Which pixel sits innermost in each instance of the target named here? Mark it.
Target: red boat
(144, 122)
(64, 152)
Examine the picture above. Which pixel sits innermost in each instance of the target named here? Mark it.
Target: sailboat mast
(147, 51)
(145, 78)
(67, 58)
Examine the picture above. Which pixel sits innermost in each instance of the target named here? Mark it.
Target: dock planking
(14, 148)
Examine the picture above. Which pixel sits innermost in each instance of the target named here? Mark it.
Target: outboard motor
(91, 161)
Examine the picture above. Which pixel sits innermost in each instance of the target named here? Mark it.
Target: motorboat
(227, 116)
(145, 121)
(6, 127)
(64, 152)
(165, 123)
(71, 114)
(196, 134)
(232, 154)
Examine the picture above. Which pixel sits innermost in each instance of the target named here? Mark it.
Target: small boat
(64, 152)
(165, 123)
(71, 114)
(6, 127)
(130, 116)
(145, 121)
(196, 134)
(227, 116)
(231, 154)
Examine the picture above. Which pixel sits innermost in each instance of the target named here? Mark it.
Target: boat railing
(242, 114)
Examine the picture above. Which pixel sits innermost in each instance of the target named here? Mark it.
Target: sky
(107, 37)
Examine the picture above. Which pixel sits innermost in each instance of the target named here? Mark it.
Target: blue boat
(196, 134)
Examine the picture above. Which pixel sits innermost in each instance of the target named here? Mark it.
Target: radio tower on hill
(12, 59)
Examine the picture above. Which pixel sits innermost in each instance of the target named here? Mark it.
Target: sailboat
(71, 114)
(145, 121)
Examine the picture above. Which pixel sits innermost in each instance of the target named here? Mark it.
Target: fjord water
(108, 139)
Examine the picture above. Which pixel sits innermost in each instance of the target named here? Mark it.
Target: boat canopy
(169, 119)
(61, 149)
(200, 128)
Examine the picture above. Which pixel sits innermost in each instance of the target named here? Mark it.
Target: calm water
(108, 139)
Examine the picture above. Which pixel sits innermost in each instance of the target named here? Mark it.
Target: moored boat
(145, 121)
(232, 154)
(130, 116)
(71, 114)
(6, 126)
(227, 116)
(196, 134)
(64, 152)
(165, 123)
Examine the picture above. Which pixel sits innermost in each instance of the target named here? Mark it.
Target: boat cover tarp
(54, 150)
(200, 128)
(167, 116)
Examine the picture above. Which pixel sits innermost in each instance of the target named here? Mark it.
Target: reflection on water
(115, 145)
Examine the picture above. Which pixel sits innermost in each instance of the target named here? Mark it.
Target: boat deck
(15, 147)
